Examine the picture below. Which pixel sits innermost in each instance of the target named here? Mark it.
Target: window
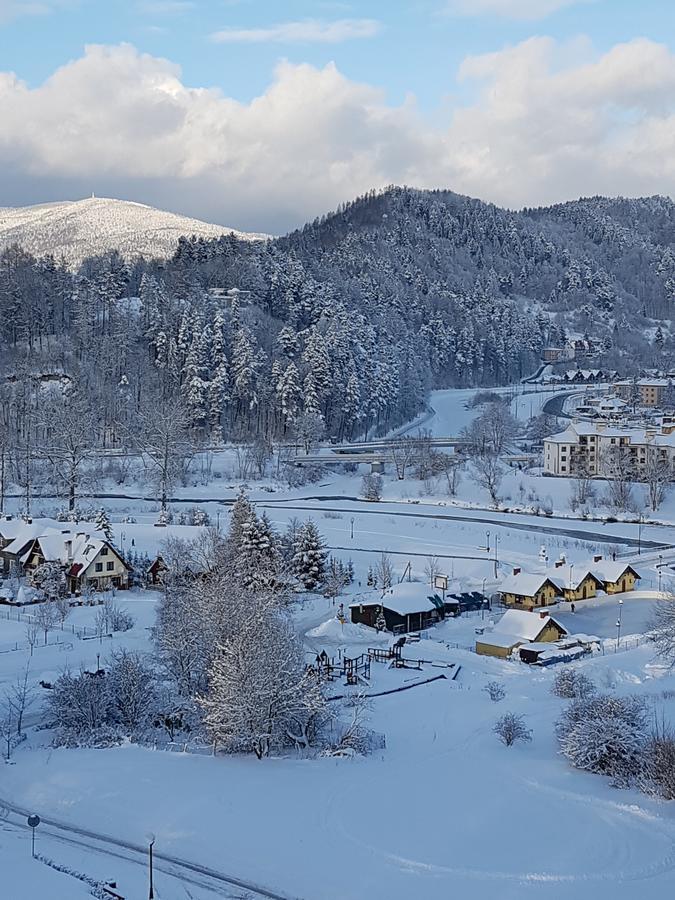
(110, 566)
(104, 551)
(99, 567)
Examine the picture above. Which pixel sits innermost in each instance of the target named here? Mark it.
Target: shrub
(495, 691)
(511, 728)
(659, 768)
(604, 734)
(572, 684)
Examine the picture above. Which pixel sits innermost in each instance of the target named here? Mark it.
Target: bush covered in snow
(572, 683)
(605, 734)
(659, 766)
(511, 728)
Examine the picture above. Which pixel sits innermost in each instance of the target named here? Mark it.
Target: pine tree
(309, 559)
(103, 524)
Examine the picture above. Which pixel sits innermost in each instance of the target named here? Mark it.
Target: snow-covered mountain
(81, 228)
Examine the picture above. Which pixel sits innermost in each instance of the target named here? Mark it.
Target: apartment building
(644, 391)
(591, 447)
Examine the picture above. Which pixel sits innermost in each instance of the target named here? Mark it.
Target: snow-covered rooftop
(405, 598)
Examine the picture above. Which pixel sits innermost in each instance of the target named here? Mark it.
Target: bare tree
(619, 466)
(662, 629)
(583, 489)
(69, 427)
(384, 571)
(432, 568)
(658, 477)
(45, 617)
(488, 473)
(402, 453)
(162, 437)
(32, 632)
(62, 609)
(492, 430)
(20, 697)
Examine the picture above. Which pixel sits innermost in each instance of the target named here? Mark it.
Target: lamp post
(571, 581)
(484, 604)
(618, 625)
(151, 892)
(351, 522)
(487, 542)
(496, 556)
(640, 534)
(660, 564)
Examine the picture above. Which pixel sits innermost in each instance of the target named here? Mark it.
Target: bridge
(377, 453)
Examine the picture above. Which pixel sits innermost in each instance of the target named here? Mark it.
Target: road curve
(105, 843)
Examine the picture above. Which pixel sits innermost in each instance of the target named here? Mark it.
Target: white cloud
(306, 31)
(549, 122)
(510, 9)
(13, 9)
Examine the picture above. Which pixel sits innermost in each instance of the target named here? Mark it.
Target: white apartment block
(590, 446)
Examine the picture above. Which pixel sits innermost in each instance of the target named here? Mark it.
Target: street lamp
(151, 893)
(618, 625)
(496, 556)
(351, 522)
(487, 543)
(639, 534)
(660, 564)
(484, 604)
(571, 581)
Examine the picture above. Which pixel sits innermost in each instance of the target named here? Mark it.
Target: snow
(524, 624)
(405, 598)
(81, 228)
(444, 809)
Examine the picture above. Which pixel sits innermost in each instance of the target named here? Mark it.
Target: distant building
(408, 606)
(517, 627)
(590, 448)
(644, 391)
(87, 559)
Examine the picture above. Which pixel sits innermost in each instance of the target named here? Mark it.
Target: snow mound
(77, 229)
(332, 630)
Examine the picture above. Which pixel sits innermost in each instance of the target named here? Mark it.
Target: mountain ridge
(77, 229)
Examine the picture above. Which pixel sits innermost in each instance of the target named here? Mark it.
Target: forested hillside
(339, 328)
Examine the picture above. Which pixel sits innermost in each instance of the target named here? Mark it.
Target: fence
(14, 615)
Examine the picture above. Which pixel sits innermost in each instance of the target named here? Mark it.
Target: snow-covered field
(445, 809)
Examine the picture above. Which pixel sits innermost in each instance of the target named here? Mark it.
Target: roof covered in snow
(405, 599)
(526, 584)
(527, 625)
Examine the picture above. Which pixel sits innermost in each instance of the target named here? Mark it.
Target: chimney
(597, 557)
(543, 614)
(516, 570)
(69, 550)
(559, 563)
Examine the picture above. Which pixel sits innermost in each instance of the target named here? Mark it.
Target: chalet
(523, 589)
(88, 560)
(576, 582)
(15, 536)
(409, 606)
(615, 577)
(517, 627)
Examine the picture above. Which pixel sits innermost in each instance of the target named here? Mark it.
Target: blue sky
(432, 70)
(417, 50)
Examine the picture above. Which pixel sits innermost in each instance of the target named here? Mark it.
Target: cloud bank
(548, 123)
(307, 31)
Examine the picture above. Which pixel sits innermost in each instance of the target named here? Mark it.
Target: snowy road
(182, 869)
